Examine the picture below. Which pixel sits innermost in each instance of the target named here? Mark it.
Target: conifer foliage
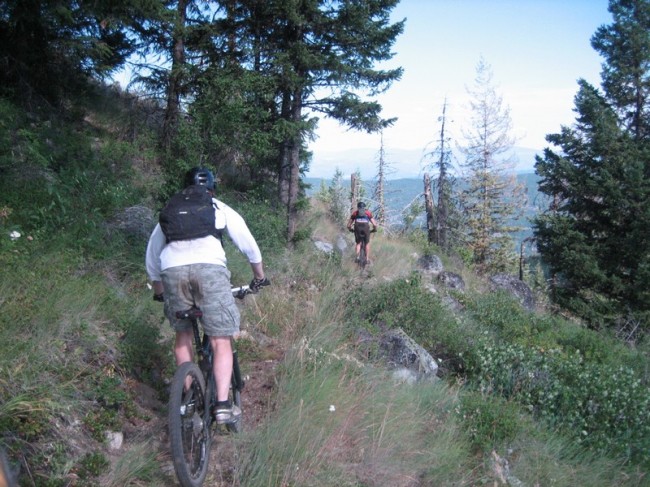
(595, 236)
(492, 196)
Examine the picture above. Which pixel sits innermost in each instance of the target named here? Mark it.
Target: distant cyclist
(359, 222)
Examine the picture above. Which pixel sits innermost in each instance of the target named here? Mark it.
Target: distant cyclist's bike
(363, 258)
(362, 261)
(191, 397)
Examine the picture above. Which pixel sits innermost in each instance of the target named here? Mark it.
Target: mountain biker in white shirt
(186, 273)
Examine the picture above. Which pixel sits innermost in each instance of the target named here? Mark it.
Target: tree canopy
(595, 236)
(492, 195)
(240, 83)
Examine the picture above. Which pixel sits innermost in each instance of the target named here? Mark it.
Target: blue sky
(537, 50)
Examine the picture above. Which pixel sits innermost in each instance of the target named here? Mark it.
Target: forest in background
(239, 86)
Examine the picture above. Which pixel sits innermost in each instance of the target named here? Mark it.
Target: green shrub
(419, 313)
(101, 420)
(92, 465)
(488, 421)
(603, 408)
(503, 314)
(142, 353)
(268, 226)
(26, 416)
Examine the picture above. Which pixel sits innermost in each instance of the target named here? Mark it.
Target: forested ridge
(238, 86)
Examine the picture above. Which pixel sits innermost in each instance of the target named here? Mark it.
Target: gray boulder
(451, 280)
(400, 352)
(514, 287)
(324, 247)
(430, 264)
(137, 221)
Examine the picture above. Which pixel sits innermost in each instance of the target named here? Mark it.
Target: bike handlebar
(238, 292)
(241, 291)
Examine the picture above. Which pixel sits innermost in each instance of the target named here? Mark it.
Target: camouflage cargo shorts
(206, 286)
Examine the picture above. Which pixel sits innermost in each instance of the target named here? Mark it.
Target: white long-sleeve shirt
(206, 250)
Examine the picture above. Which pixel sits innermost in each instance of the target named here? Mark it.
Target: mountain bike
(363, 259)
(191, 397)
(362, 262)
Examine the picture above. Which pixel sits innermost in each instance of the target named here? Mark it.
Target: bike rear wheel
(189, 424)
(363, 259)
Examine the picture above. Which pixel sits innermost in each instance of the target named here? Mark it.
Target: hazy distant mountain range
(404, 163)
(403, 192)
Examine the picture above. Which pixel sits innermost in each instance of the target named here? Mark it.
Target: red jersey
(366, 216)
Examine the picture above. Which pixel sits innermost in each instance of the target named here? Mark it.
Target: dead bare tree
(428, 206)
(441, 161)
(355, 190)
(380, 193)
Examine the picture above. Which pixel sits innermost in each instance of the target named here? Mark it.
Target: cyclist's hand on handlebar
(256, 284)
(243, 291)
(159, 297)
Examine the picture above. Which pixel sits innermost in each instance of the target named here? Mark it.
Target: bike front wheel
(234, 395)
(189, 425)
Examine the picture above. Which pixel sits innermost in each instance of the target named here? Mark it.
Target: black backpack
(189, 214)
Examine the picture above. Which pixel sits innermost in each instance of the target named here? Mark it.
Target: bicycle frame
(205, 360)
(192, 395)
(363, 256)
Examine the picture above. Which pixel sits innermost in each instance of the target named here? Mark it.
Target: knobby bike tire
(363, 260)
(189, 432)
(236, 384)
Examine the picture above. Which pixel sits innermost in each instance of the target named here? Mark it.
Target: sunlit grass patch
(335, 420)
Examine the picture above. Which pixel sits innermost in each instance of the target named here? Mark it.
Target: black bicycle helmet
(361, 205)
(202, 176)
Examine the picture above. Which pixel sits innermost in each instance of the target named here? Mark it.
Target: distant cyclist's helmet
(201, 176)
(361, 205)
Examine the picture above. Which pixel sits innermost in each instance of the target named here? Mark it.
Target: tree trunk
(354, 190)
(293, 183)
(441, 220)
(284, 171)
(428, 205)
(175, 88)
(380, 192)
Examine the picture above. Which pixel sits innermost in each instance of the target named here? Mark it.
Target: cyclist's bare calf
(222, 366)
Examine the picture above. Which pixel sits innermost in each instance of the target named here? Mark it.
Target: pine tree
(49, 50)
(300, 58)
(595, 236)
(338, 199)
(492, 196)
(379, 194)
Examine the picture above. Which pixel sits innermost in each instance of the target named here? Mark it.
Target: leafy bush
(604, 409)
(501, 313)
(142, 353)
(92, 465)
(267, 225)
(488, 421)
(421, 314)
(417, 313)
(561, 373)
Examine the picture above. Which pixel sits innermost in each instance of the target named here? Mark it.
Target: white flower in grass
(332, 408)
(14, 235)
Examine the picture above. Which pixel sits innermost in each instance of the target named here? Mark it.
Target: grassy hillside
(522, 399)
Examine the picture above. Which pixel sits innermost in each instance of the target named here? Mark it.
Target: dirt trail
(257, 402)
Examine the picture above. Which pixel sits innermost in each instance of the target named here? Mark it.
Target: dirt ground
(257, 402)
